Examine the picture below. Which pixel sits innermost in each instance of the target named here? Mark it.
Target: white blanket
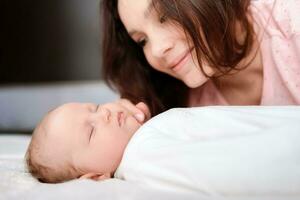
(219, 151)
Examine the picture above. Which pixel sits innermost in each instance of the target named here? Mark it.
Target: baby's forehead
(53, 122)
(65, 117)
(53, 130)
(62, 111)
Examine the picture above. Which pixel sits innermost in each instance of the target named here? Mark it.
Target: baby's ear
(95, 176)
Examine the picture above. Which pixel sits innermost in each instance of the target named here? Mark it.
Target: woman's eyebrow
(149, 10)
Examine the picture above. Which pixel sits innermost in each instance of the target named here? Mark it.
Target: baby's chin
(137, 127)
(132, 125)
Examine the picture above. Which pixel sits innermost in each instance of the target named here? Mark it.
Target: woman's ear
(95, 176)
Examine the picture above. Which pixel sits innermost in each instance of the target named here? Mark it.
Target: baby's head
(80, 140)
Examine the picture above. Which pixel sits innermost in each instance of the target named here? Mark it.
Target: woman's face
(165, 45)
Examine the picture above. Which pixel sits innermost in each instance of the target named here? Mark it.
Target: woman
(174, 53)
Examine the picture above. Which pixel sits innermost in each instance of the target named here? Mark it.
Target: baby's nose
(105, 113)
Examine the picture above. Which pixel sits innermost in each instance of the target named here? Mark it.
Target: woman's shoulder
(278, 17)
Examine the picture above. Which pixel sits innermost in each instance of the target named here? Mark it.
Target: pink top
(280, 51)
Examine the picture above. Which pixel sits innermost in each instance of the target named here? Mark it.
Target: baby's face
(90, 138)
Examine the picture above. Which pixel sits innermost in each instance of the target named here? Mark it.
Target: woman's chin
(195, 82)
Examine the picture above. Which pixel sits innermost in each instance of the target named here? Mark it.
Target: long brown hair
(126, 69)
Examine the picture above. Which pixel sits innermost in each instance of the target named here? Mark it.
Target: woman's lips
(184, 59)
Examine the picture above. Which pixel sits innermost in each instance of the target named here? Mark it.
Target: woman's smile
(182, 61)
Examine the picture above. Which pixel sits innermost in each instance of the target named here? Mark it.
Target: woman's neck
(245, 86)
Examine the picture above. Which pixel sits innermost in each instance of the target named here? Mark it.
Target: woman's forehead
(135, 14)
(134, 9)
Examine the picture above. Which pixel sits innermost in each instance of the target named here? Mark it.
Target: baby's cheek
(114, 155)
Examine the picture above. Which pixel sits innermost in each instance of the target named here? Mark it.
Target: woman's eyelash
(142, 42)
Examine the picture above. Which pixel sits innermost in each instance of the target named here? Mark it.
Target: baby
(81, 140)
(212, 150)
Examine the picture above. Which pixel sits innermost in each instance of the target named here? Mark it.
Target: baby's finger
(137, 113)
(143, 107)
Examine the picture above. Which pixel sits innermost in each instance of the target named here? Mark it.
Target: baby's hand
(145, 109)
(140, 111)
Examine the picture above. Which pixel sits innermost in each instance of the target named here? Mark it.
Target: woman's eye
(142, 42)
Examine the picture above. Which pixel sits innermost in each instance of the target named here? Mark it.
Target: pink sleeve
(280, 48)
(294, 61)
(287, 14)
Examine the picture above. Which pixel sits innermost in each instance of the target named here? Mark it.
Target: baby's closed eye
(90, 130)
(91, 134)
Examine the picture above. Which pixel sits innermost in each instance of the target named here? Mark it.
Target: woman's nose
(161, 44)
